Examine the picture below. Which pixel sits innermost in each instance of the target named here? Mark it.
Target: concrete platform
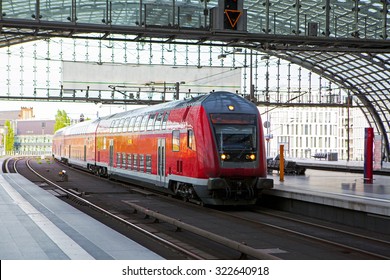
(337, 189)
(340, 165)
(35, 225)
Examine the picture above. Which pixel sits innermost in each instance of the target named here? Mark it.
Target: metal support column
(267, 4)
(327, 18)
(384, 20)
(37, 10)
(73, 17)
(297, 6)
(355, 32)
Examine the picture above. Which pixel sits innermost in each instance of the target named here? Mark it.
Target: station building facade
(31, 136)
(34, 137)
(307, 131)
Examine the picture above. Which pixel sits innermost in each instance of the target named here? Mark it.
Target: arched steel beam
(343, 83)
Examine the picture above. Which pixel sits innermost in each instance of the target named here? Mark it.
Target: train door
(161, 178)
(111, 155)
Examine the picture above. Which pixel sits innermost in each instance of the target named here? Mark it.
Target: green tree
(62, 120)
(10, 137)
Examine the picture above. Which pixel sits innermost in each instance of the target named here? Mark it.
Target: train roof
(88, 126)
(215, 100)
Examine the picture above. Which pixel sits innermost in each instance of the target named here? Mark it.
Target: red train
(209, 149)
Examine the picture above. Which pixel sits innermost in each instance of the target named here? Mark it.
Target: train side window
(131, 124)
(135, 162)
(142, 163)
(176, 140)
(116, 126)
(191, 140)
(151, 122)
(120, 125)
(165, 120)
(125, 125)
(148, 164)
(157, 123)
(137, 123)
(112, 125)
(118, 159)
(143, 123)
(129, 161)
(124, 160)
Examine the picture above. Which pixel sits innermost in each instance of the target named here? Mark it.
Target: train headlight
(225, 156)
(250, 157)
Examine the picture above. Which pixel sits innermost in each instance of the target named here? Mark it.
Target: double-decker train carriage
(208, 149)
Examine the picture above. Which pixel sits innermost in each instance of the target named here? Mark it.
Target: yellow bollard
(281, 163)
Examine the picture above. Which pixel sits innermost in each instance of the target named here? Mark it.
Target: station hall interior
(318, 70)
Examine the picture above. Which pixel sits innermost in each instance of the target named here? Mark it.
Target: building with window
(22, 114)
(34, 137)
(307, 131)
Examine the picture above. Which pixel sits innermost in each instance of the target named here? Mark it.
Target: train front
(238, 172)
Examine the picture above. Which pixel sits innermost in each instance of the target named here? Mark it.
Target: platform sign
(368, 154)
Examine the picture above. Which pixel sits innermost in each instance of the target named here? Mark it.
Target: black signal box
(229, 15)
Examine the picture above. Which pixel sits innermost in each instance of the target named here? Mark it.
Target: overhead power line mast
(229, 15)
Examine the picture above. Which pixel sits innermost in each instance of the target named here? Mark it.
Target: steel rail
(310, 236)
(386, 243)
(240, 247)
(127, 223)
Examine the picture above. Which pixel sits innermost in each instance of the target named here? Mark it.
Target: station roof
(344, 41)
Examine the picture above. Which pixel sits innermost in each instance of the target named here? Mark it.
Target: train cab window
(176, 140)
(143, 123)
(125, 125)
(137, 123)
(191, 140)
(165, 120)
(157, 123)
(235, 132)
(151, 122)
(131, 124)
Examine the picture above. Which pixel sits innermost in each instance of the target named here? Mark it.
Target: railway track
(211, 234)
(75, 197)
(327, 233)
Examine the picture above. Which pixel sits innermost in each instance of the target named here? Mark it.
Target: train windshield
(235, 131)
